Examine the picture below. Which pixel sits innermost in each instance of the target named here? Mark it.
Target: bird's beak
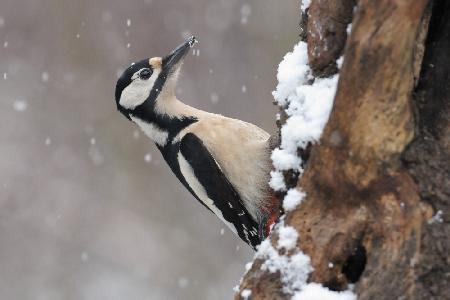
(171, 61)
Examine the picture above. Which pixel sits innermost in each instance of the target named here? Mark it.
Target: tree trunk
(376, 212)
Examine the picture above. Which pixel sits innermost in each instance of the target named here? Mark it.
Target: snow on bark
(293, 198)
(314, 291)
(307, 102)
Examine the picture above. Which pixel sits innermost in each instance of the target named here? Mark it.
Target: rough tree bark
(382, 167)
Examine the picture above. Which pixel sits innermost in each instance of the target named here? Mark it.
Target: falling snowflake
(214, 98)
(45, 77)
(246, 10)
(20, 105)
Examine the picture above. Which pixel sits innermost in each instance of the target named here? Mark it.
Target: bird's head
(145, 82)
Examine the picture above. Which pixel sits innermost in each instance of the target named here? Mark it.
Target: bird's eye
(145, 74)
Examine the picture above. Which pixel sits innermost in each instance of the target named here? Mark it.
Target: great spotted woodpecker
(223, 162)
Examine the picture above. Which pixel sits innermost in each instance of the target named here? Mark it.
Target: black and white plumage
(223, 162)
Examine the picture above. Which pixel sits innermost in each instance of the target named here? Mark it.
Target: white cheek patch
(159, 136)
(199, 190)
(138, 90)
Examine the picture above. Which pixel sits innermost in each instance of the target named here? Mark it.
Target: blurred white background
(88, 208)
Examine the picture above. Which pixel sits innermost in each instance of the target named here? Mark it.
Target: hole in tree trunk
(355, 264)
(334, 285)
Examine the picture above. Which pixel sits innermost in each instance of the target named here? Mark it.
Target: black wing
(219, 189)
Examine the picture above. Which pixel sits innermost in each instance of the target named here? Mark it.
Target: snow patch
(277, 181)
(305, 4)
(283, 160)
(292, 73)
(293, 269)
(246, 294)
(308, 110)
(349, 29)
(287, 238)
(248, 266)
(315, 291)
(292, 199)
(308, 102)
(437, 218)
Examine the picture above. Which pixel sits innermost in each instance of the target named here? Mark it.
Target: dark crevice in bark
(427, 157)
(355, 264)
